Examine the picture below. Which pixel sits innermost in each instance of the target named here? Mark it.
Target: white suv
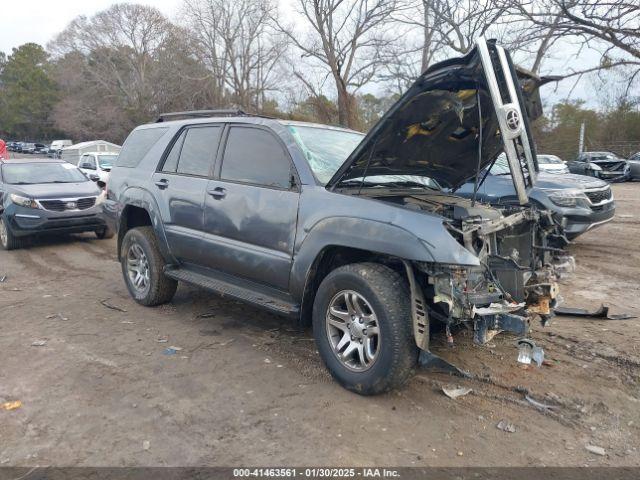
(98, 164)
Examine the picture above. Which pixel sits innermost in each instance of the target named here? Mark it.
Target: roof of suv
(244, 119)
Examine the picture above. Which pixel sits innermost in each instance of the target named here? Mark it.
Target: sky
(39, 21)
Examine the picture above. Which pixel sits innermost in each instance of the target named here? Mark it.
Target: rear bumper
(28, 221)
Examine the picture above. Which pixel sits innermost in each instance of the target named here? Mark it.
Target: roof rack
(206, 113)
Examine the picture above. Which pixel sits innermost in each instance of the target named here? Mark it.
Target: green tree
(27, 93)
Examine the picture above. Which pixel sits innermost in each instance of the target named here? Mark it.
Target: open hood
(455, 119)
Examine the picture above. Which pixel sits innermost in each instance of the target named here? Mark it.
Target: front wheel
(362, 326)
(8, 241)
(143, 268)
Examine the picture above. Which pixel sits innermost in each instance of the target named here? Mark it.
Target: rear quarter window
(138, 143)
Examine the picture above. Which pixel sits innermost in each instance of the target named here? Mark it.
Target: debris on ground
(506, 426)
(171, 350)
(3, 278)
(146, 445)
(59, 316)
(528, 351)
(38, 343)
(162, 340)
(105, 303)
(539, 405)
(206, 315)
(11, 405)
(596, 450)
(454, 392)
(601, 313)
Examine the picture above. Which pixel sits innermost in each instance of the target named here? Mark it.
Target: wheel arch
(140, 209)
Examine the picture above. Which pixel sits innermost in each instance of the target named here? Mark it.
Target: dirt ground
(248, 388)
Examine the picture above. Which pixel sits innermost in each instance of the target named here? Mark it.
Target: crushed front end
(515, 283)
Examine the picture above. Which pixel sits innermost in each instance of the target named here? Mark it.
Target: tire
(104, 233)
(8, 241)
(157, 288)
(379, 291)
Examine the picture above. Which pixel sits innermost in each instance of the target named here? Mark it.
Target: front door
(251, 208)
(180, 185)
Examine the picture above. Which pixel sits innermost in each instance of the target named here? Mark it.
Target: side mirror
(94, 177)
(101, 184)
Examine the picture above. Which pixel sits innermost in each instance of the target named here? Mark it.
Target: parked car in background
(97, 165)
(551, 164)
(581, 202)
(56, 147)
(11, 146)
(605, 165)
(634, 166)
(40, 148)
(28, 148)
(47, 196)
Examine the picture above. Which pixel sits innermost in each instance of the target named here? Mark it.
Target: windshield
(325, 149)
(602, 156)
(549, 160)
(500, 166)
(33, 173)
(107, 161)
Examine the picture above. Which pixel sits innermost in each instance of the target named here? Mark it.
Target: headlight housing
(23, 201)
(594, 167)
(569, 198)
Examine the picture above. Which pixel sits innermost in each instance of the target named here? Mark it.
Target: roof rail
(206, 113)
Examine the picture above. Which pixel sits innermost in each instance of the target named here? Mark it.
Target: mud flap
(419, 316)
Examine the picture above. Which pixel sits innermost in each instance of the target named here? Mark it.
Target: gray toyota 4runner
(350, 232)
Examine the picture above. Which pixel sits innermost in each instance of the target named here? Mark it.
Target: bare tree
(348, 39)
(238, 46)
(612, 27)
(121, 67)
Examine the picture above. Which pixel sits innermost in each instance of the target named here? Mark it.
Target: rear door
(180, 184)
(251, 208)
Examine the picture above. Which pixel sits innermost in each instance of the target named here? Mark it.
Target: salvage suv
(351, 232)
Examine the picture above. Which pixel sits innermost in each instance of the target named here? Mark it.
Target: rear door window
(171, 162)
(255, 156)
(198, 151)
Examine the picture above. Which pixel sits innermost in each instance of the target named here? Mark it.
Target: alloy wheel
(353, 331)
(137, 267)
(4, 236)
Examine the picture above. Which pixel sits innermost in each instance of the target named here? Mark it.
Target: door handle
(218, 192)
(162, 184)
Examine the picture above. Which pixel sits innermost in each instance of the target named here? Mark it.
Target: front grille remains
(599, 195)
(67, 204)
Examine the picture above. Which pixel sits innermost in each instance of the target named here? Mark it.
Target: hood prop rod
(476, 185)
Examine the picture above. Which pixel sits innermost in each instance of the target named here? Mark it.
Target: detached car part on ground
(579, 203)
(269, 212)
(42, 196)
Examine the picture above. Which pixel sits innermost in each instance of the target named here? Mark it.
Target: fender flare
(362, 234)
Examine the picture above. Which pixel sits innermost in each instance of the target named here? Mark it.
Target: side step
(243, 290)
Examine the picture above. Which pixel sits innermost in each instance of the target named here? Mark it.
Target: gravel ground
(247, 388)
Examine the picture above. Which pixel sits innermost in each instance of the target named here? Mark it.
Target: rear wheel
(143, 268)
(362, 326)
(8, 240)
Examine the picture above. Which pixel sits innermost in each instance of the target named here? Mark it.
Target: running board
(242, 290)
